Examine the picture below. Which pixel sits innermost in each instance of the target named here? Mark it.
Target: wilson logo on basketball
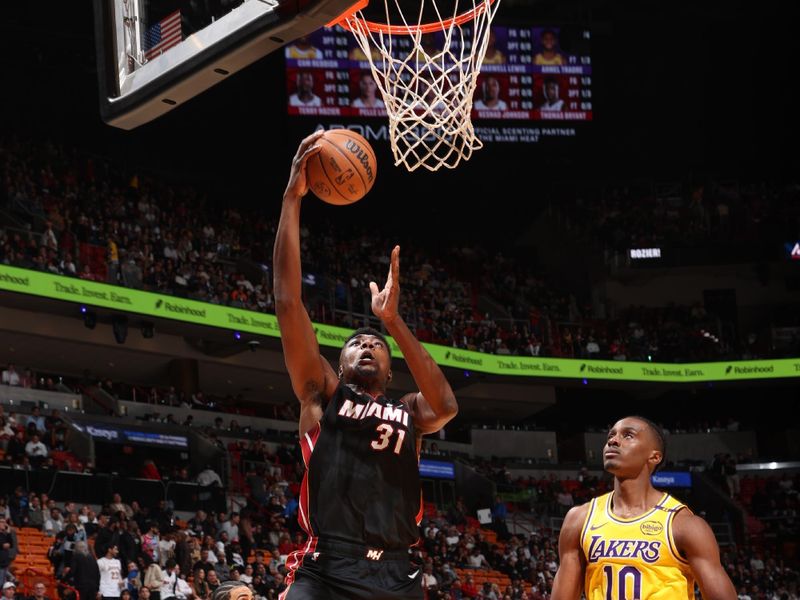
(361, 156)
(651, 528)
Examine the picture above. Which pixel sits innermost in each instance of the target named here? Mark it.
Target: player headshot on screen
(552, 101)
(358, 54)
(549, 54)
(367, 92)
(490, 96)
(493, 56)
(303, 48)
(362, 502)
(637, 542)
(305, 96)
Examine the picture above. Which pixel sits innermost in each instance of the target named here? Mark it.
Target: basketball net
(427, 91)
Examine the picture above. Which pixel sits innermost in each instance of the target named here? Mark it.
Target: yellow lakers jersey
(634, 559)
(540, 59)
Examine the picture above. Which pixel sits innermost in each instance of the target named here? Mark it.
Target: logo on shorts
(374, 554)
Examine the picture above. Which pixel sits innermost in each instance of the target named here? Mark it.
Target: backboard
(154, 55)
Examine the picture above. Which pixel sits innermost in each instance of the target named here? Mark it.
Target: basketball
(343, 171)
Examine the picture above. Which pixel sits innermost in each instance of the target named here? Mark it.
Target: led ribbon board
(68, 289)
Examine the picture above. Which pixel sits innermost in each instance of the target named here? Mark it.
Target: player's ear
(389, 377)
(655, 459)
(341, 371)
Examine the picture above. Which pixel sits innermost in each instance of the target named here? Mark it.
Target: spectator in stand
(204, 562)
(499, 515)
(7, 547)
(200, 524)
(477, 560)
(199, 585)
(111, 580)
(150, 470)
(153, 578)
(54, 524)
(84, 572)
(133, 580)
(35, 514)
(212, 580)
(150, 544)
(129, 543)
(221, 566)
(468, 588)
(7, 432)
(36, 422)
(105, 535)
(489, 591)
(18, 507)
(247, 576)
(169, 583)
(10, 375)
(166, 547)
(231, 527)
(39, 591)
(429, 582)
(10, 591)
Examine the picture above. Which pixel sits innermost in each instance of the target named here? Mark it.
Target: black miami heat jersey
(362, 473)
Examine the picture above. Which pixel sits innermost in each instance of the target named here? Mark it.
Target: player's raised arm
(435, 404)
(697, 544)
(568, 583)
(312, 376)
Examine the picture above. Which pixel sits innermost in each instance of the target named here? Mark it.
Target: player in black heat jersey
(361, 500)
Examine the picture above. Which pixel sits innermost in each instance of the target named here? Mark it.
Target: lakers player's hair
(661, 438)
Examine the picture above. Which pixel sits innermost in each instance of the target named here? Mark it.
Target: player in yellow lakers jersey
(637, 543)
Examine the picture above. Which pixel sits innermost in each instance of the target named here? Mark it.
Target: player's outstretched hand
(385, 301)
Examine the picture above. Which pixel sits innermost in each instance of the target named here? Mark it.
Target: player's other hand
(385, 301)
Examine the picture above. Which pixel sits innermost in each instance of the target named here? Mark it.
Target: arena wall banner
(128, 300)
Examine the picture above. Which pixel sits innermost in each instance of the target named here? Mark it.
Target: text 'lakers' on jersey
(634, 559)
(362, 480)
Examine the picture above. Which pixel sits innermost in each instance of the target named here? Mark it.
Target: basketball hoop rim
(342, 20)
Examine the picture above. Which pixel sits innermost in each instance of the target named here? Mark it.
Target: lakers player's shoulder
(692, 534)
(574, 521)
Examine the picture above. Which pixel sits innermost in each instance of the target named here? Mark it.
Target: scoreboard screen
(533, 74)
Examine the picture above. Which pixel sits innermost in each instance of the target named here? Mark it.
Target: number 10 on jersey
(620, 580)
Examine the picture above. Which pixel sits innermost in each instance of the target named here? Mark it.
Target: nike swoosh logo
(414, 574)
(598, 526)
